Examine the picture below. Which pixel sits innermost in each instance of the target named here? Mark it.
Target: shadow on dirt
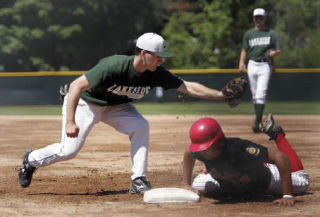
(102, 192)
(99, 193)
(223, 199)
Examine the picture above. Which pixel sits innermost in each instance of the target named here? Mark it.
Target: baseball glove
(234, 90)
(269, 59)
(267, 54)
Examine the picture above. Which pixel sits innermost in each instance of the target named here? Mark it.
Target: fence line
(175, 71)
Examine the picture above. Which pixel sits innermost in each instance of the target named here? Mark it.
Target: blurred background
(72, 35)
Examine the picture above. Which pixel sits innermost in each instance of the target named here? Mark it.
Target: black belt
(261, 61)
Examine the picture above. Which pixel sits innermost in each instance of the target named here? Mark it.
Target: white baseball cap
(154, 43)
(259, 12)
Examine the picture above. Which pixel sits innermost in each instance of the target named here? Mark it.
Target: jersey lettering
(130, 92)
(260, 41)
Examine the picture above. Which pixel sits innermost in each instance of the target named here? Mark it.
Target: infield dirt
(96, 181)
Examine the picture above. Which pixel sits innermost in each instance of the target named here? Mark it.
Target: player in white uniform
(260, 45)
(105, 93)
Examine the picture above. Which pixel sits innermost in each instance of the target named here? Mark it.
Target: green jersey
(258, 42)
(114, 81)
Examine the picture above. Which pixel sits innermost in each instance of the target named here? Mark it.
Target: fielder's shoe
(26, 171)
(139, 185)
(270, 128)
(256, 128)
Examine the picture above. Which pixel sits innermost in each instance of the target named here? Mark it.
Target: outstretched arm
(76, 87)
(282, 162)
(198, 90)
(188, 165)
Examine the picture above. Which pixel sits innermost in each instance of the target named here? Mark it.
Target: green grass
(183, 108)
(30, 110)
(223, 108)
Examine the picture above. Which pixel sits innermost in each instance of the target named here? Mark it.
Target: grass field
(183, 108)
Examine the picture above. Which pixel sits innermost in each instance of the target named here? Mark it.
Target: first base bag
(170, 195)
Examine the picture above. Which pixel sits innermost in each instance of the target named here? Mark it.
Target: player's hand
(72, 130)
(285, 202)
(242, 67)
(270, 53)
(188, 187)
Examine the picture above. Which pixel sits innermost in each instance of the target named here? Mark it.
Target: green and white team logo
(260, 41)
(130, 92)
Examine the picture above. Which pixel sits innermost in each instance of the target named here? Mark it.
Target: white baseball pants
(204, 182)
(259, 74)
(124, 118)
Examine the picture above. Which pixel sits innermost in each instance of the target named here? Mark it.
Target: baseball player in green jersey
(105, 93)
(259, 46)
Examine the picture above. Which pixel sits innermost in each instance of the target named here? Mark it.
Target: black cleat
(139, 185)
(256, 128)
(26, 171)
(270, 128)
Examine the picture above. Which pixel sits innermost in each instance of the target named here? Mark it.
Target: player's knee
(199, 183)
(300, 182)
(68, 152)
(205, 184)
(304, 179)
(142, 125)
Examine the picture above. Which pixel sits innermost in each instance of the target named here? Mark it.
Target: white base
(170, 195)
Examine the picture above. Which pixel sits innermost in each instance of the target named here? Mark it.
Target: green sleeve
(245, 44)
(99, 73)
(167, 80)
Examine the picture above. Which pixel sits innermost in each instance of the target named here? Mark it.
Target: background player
(241, 167)
(105, 93)
(259, 45)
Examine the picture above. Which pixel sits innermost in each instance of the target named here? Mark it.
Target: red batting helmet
(203, 133)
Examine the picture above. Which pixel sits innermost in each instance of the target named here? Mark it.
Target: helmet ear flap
(205, 132)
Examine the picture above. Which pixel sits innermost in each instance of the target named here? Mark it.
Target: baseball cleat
(256, 128)
(270, 128)
(139, 185)
(26, 171)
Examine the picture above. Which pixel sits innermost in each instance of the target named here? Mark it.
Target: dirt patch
(96, 182)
